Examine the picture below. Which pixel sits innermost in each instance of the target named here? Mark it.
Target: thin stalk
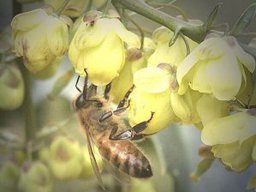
(29, 113)
(106, 7)
(62, 7)
(196, 32)
(139, 29)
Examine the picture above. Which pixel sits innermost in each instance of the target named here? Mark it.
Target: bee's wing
(92, 158)
(119, 177)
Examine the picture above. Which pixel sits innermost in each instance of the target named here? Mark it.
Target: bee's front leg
(107, 90)
(125, 99)
(133, 133)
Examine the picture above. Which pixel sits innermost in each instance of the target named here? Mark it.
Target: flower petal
(237, 127)
(224, 76)
(152, 79)
(209, 108)
(28, 20)
(102, 68)
(244, 58)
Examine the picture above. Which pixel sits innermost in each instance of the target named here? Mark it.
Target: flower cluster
(209, 85)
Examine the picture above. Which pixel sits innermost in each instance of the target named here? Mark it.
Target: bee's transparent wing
(92, 158)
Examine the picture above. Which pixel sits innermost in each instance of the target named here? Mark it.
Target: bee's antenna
(85, 85)
(77, 80)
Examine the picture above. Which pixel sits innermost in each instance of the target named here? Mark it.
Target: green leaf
(213, 15)
(244, 20)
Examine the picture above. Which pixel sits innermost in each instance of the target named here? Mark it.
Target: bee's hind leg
(133, 133)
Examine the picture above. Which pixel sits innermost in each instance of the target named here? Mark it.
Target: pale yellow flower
(100, 49)
(151, 94)
(39, 38)
(237, 127)
(215, 67)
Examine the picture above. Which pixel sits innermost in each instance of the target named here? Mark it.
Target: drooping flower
(151, 94)
(99, 47)
(39, 37)
(215, 67)
(135, 60)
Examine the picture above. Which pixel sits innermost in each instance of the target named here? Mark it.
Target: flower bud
(201, 168)
(65, 158)
(215, 67)
(252, 182)
(35, 177)
(151, 94)
(164, 53)
(9, 176)
(95, 44)
(11, 86)
(39, 38)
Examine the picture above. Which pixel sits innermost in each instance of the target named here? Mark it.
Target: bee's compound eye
(99, 104)
(79, 102)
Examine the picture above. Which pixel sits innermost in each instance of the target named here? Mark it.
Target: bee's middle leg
(108, 114)
(133, 133)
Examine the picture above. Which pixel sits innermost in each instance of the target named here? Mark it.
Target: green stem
(139, 29)
(29, 112)
(62, 7)
(196, 32)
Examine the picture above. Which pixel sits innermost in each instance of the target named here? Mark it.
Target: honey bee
(102, 126)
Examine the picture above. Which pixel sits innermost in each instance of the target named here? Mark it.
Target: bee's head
(81, 102)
